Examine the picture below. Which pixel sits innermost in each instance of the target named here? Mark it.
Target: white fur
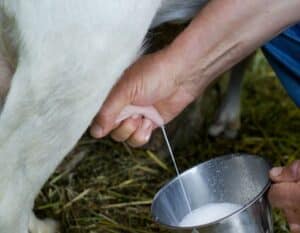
(69, 53)
(177, 10)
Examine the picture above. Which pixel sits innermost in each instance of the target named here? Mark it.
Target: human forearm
(224, 33)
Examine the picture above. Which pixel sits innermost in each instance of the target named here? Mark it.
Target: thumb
(106, 119)
(289, 173)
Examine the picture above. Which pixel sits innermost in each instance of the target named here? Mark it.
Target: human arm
(222, 34)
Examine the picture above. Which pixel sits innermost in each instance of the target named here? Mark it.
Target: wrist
(175, 68)
(182, 69)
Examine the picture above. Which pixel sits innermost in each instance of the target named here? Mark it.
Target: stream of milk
(176, 168)
(208, 213)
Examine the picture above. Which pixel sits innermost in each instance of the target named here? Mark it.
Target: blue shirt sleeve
(283, 54)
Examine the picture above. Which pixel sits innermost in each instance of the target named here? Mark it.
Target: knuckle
(117, 138)
(296, 211)
(103, 116)
(118, 135)
(123, 132)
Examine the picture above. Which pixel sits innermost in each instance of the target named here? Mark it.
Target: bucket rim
(238, 211)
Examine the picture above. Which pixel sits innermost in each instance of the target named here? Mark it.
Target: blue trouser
(283, 54)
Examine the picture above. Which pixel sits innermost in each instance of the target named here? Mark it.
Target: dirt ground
(112, 188)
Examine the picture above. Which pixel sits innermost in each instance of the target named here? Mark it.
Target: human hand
(214, 41)
(154, 80)
(285, 193)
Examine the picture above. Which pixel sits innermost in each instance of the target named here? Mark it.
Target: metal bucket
(240, 179)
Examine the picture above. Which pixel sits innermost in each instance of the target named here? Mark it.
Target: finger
(295, 228)
(289, 173)
(142, 134)
(126, 129)
(284, 195)
(105, 120)
(147, 111)
(293, 219)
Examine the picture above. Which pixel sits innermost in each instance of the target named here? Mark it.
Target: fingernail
(276, 171)
(294, 227)
(96, 131)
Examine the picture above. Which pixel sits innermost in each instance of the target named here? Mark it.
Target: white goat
(68, 56)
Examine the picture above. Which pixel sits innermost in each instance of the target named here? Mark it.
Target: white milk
(208, 213)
